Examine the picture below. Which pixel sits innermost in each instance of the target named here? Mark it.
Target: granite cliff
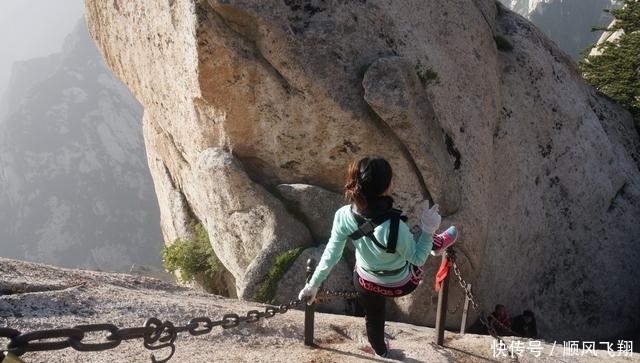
(252, 110)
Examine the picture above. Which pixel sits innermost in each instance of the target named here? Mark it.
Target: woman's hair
(366, 179)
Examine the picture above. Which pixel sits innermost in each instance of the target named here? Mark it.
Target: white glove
(430, 218)
(309, 292)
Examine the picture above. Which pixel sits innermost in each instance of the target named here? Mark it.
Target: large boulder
(473, 106)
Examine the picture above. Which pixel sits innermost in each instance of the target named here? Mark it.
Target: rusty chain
(154, 333)
(326, 295)
(451, 256)
(158, 335)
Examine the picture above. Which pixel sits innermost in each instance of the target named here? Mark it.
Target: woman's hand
(430, 218)
(309, 292)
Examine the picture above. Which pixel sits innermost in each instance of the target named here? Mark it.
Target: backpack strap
(366, 227)
(392, 240)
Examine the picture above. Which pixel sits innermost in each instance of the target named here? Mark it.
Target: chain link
(329, 295)
(158, 335)
(451, 256)
(155, 333)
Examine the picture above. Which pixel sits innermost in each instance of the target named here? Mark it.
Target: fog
(75, 188)
(33, 28)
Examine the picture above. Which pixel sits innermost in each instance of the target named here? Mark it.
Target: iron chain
(158, 335)
(451, 256)
(328, 295)
(476, 307)
(155, 333)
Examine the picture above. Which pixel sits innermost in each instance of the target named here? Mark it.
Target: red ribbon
(442, 273)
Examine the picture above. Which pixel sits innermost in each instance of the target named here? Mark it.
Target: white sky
(34, 28)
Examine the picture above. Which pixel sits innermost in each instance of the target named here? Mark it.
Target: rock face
(76, 189)
(539, 173)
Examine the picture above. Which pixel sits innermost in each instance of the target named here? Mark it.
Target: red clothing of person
(499, 320)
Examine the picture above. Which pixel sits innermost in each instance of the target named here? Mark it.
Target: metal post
(309, 310)
(441, 312)
(465, 310)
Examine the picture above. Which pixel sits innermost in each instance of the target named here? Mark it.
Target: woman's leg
(374, 307)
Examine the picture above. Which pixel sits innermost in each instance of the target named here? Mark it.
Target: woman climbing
(388, 260)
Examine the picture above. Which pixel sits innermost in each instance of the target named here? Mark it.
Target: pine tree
(615, 71)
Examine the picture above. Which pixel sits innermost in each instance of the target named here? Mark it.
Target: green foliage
(192, 257)
(427, 77)
(267, 291)
(616, 70)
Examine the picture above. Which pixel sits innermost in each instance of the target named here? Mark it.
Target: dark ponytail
(367, 179)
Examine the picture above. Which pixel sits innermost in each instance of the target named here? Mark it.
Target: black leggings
(373, 301)
(374, 306)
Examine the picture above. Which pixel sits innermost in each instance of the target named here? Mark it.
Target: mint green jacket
(368, 255)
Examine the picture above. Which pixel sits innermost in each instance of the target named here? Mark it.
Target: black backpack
(366, 227)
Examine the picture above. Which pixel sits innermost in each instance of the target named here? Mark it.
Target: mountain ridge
(77, 187)
(567, 22)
